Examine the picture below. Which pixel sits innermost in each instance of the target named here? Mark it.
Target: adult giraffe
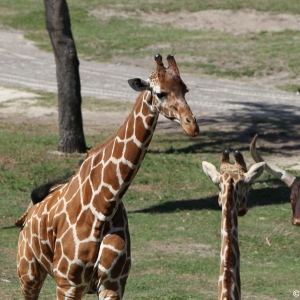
(234, 182)
(79, 232)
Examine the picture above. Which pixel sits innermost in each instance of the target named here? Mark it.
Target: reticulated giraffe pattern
(78, 231)
(234, 183)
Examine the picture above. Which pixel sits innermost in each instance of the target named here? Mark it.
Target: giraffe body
(79, 233)
(234, 182)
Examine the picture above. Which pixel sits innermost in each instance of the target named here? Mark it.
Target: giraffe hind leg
(32, 280)
(31, 274)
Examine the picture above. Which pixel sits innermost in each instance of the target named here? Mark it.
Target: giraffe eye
(161, 95)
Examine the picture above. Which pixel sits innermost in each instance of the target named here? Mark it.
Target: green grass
(173, 214)
(208, 53)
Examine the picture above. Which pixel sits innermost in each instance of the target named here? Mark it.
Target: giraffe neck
(229, 281)
(110, 168)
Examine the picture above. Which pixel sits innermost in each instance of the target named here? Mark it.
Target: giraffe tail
(21, 220)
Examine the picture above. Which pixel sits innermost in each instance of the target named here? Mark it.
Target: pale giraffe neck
(229, 286)
(111, 167)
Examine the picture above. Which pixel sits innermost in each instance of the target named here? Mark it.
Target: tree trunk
(71, 136)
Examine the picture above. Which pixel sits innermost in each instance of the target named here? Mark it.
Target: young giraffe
(234, 183)
(79, 233)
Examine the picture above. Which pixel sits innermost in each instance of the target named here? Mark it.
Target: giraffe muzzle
(190, 126)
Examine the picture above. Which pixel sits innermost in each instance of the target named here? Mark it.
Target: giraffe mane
(39, 193)
(229, 276)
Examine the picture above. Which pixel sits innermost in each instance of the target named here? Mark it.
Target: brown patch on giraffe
(108, 256)
(84, 225)
(132, 148)
(74, 211)
(101, 204)
(68, 251)
(95, 175)
(72, 189)
(24, 265)
(88, 255)
(118, 153)
(88, 191)
(111, 176)
(62, 222)
(138, 135)
(130, 129)
(58, 251)
(76, 271)
(106, 194)
(125, 169)
(63, 266)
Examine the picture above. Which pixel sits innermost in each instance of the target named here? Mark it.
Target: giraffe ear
(254, 172)
(139, 84)
(211, 171)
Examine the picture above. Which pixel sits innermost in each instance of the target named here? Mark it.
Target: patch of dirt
(236, 22)
(142, 187)
(18, 106)
(202, 249)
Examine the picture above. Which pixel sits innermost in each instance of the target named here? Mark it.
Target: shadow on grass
(259, 197)
(10, 227)
(277, 124)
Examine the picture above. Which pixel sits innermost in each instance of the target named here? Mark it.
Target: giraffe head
(166, 94)
(235, 175)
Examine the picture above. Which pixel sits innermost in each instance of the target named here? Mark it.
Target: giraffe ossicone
(234, 183)
(78, 231)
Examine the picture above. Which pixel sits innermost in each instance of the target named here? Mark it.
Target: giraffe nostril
(188, 120)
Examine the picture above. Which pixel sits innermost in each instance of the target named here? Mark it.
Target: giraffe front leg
(31, 274)
(66, 291)
(114, 266)
(114, 257)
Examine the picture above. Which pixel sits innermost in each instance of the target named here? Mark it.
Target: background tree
(71, 135)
